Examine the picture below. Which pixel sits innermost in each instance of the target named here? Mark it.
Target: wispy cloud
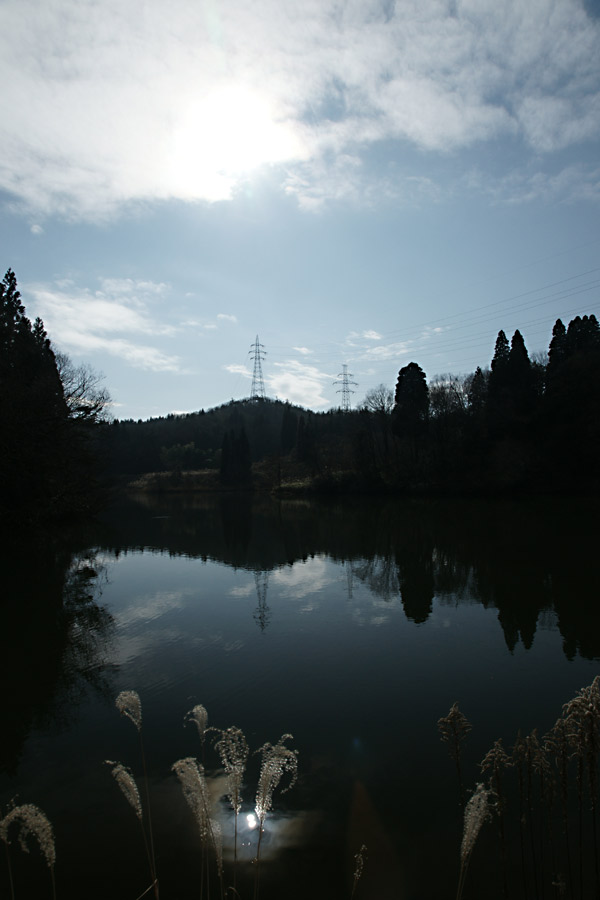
(227, 318)
(102, 106)
(82, 321)
(235, 369)
(299, 383)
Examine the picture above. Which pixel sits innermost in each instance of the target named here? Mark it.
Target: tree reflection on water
(54, 638)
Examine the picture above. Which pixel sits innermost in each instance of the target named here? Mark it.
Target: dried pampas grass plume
(477, 811)
(129, 704)
(31, 820)
(199, 716)
(124, 778)
(276, 759)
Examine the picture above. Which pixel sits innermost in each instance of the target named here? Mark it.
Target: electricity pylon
(345, 389)
(257, 353)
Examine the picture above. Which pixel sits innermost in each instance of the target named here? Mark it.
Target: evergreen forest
(519, 424)
(515, 425)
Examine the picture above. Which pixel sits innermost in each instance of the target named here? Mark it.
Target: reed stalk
(358, 868)
(477, 811)
(517, 757)
(129, 705)
(495, 761)
(232, 748)
(277, 759)
(557, 743)
(453, 730)
(30, 820)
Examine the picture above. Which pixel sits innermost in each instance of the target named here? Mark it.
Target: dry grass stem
(124, 778)
(199, 716)
(193, 783)
(358, 869)
(476, 812)
(128, 703)
(232, 748)
(31, 821)
(453, 729)
(276, 760)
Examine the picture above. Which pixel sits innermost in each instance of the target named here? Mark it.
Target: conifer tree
(411, 410)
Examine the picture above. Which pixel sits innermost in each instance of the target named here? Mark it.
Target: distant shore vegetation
(519, 424)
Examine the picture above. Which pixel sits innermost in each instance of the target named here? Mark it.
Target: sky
(357, 183)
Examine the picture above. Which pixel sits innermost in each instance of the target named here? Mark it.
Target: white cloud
(303, 350)
(235, 369)
(37, 229)
(106, 103)
(372, 335)
(84, 322)
(302, 579)
(299, 383)
(388, 351)
(227, 318)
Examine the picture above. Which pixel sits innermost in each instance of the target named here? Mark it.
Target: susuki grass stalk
(358, 869)
(199, 716)
(276, 760)
(453, 729)
(30, 821)
(232, 748)
(531, 743)
(557, 743)
(582, 716)
(495, 761)
(193, 782)
(477, 811)
(128, 703)
(517, 757)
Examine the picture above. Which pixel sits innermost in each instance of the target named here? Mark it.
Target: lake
(353, 626)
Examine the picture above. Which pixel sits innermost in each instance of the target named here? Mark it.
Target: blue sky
(361, 183)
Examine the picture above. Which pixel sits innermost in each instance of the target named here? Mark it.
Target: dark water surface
(352, 625)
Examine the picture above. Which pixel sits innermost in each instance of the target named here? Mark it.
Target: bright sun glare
(223, 136)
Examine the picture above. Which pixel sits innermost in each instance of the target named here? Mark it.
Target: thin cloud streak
(84, 322)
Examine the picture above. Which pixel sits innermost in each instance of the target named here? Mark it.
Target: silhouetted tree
(477, 391)
(411, 410)
(47, 464)
(379, 400)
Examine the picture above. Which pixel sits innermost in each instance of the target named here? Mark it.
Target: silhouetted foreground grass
(540, 798)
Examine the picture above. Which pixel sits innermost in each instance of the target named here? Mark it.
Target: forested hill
(515, 425)
(266, 428)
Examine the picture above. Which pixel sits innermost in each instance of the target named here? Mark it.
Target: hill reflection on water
(524, 558)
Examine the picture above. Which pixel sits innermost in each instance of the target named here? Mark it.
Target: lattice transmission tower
(345, 389)
(257, 353)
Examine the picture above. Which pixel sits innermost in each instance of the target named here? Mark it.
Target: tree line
(519, 423)
(50, 413)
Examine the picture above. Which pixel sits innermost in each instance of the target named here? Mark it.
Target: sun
(222, 137)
